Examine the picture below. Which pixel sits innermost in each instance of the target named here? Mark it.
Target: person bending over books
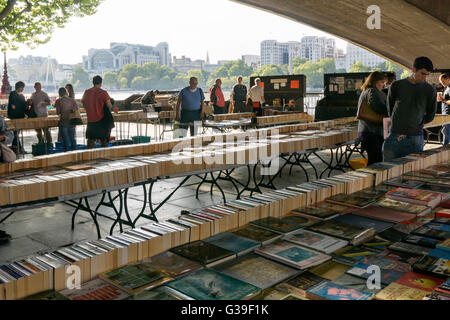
(371, 133)
(65, 106)
(411, 103)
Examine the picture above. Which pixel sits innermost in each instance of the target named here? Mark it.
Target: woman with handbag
(371, 111)
(69, 117)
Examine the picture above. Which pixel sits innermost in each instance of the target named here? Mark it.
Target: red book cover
(446, 204)
(420, 281)
(385, 214)
(443, 213)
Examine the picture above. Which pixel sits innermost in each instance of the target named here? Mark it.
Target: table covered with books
(317, 240)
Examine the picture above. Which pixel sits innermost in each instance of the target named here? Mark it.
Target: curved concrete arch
(409, 28)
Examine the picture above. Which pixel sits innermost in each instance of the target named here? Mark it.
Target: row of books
(52, 120)
(233, 116)
(314, 221)
(79, 177)
(285, 118)
(157, 147)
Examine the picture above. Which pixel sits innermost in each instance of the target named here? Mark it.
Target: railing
(311, 100)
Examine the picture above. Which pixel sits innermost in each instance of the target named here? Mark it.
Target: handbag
(108, 117)
(366, 113)
(7, 154)
(75, 118)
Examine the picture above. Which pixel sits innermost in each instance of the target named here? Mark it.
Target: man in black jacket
(17, 108)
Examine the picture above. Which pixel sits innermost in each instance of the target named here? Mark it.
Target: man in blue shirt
(445, 99)
(191, 102)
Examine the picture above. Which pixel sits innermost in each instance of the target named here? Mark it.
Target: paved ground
(49, 227)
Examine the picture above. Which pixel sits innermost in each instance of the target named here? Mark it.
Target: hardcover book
(353, 234)
(355, 283)
(404, 182)
(354, 219)
(437, 267)
(172, 264)
(420, 281)
(207, 284)
(316, 241)
(96, 290)
(135, 277)
(433, 230)
(332, 291)
(387, 275)
(355, 254)
(339, 208)
(396, 291)
(421, 241)
(203, 252)
(416, 196)
(233, 242)
(385, 214)
(278, 225)
(403, 206)
(263, 236)
(299, 284)
(350, 199)
(410, 248)
(319, 213)
(292, 254)
(256, 270)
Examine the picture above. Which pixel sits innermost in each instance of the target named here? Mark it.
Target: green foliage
(298, 61)
(359, 67)
(32, 22)
(314, 71)
(391, 67)
(80, 79)
(269, 70)
(110, 80)
(405, 74)
(201, 75)
(129, 72)
(123, 83)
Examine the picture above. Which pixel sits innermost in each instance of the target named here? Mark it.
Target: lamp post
(6, 87)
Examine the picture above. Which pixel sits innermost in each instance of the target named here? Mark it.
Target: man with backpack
(217, 98)
(190, 106)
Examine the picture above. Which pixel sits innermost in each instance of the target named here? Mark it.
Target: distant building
(31, 69)
(184, 64)
(273, 52)
(355, 53)
(121, 54)
(222, 62)
(250, 60)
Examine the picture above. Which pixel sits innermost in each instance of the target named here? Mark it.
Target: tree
(239, 68)
(199, 75)
(298, 61)
(32, 22)
(359, 67)
(110, 79)
(268, 70)
(391, 67)
(80, 78)
(123, 83)
(129, 72)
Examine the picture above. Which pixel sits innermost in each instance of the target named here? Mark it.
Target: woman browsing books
(371, 110)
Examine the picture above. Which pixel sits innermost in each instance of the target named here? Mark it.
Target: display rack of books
(315, 240)
(282, 119)
(232, 116)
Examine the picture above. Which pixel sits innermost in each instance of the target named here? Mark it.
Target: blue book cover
(207, 284)
(440, 253)
(233, 242)
(363, 222)
(332, 291)
(387, 275)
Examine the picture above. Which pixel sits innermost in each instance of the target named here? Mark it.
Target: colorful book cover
(387, 275)
(207, 284)
(331, 291)
(434, 230)
(402, 206)
(444, 245)
(431, 265)
(135, 277)
(340, 230)
(95, 290)
(363, 222)
(410, 248)
(317, 241)
(421, 241)
(256, 270)
(355, 283)
(203, 252)
(416, 196)
(385, 263)
(396, 291)
(277, 225)
(172, 264)
(355, 254)
(263, 236)
(338, 208)
(420, 281)
(292, 254)
(320, 213)
(160, 293)
(299, 284)
(233, 242)
(404, 182)
(440, 253)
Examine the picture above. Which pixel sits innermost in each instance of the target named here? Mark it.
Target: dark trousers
(220, 110)
(16, 144)
(187, 119)
(68, 137)
(40, 135)
(240, 106)
(373, 144)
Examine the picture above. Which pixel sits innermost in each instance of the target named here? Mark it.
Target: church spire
(207, 58)
(6, 87)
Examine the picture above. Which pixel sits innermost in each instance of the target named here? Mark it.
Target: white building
(251, 60)
(279, 53)
(120, 54)
(355, 53)
(184, 64)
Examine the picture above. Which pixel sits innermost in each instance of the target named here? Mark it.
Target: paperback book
(263, 236)
(316, 241)
(96, 290)
(233, 242)
(204, 253)
(354, 235)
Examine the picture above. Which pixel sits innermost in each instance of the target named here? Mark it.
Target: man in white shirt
(256, 94)
(40, 102)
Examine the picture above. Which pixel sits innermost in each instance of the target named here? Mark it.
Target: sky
(224, 28)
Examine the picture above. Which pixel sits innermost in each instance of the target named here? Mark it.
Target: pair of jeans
(446, 134)
(372, 143)
(187, 120)
(68, 137)
(397, 146)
